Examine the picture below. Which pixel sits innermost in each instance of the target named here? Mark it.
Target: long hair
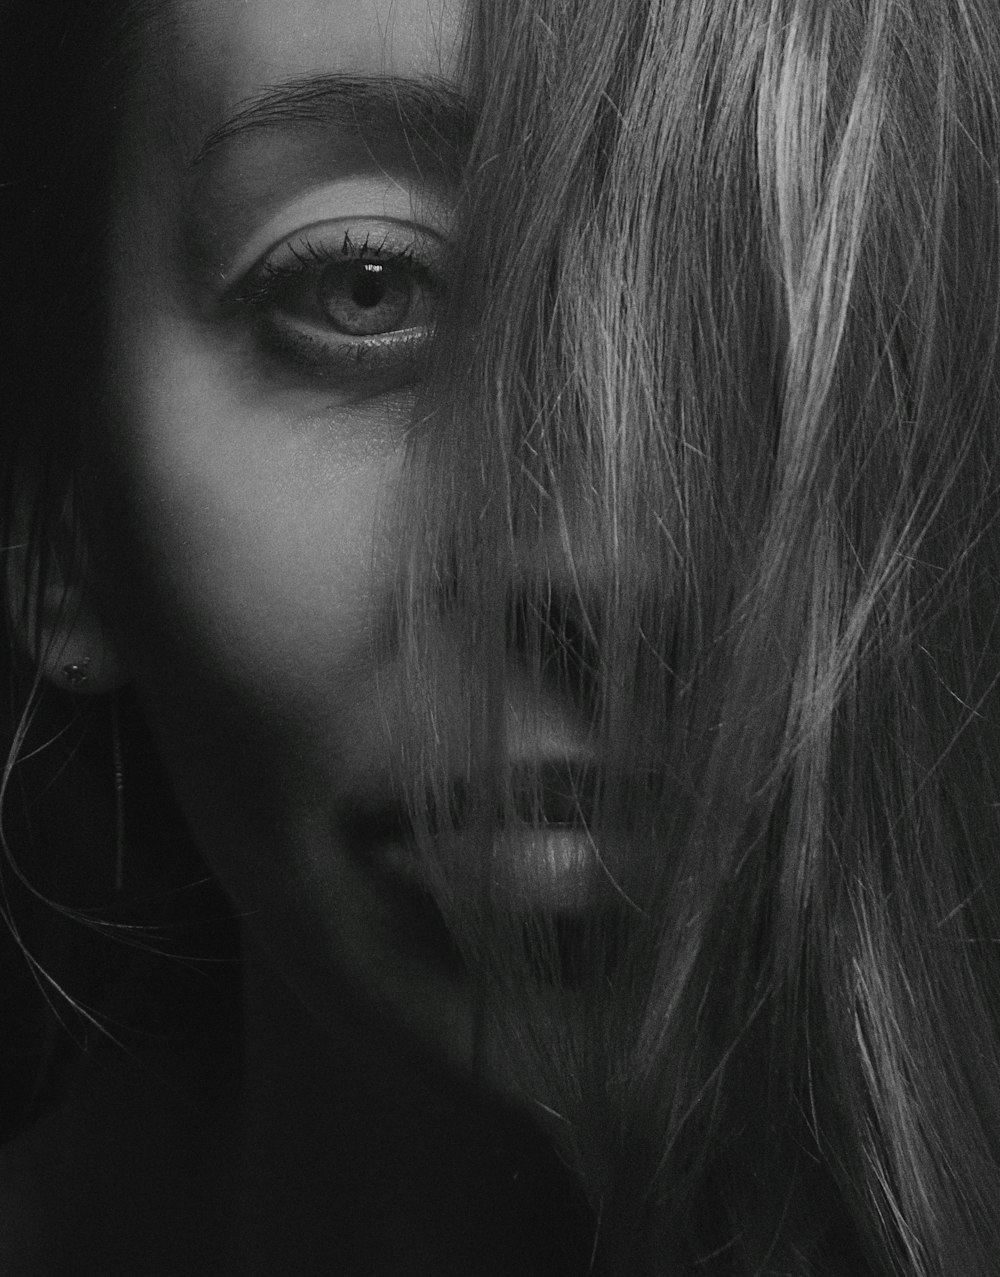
(711, 454)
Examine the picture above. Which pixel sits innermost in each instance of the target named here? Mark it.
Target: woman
(528, 467)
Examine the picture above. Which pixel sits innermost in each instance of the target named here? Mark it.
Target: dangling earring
(82, 676)
(116, 750)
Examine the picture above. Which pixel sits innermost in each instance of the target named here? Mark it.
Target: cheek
(240, 545)
(242, 538)
(253, 520)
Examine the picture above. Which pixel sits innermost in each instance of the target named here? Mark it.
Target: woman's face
(281, 238)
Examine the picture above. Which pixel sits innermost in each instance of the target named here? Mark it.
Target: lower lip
(549, 872)
(558, 888)
(533, 869)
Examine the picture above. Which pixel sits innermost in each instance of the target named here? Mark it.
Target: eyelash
(377, 361)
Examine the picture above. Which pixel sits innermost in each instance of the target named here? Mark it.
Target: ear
(57, 623)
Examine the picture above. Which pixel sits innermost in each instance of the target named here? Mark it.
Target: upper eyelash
(320, 254)
(261, 285)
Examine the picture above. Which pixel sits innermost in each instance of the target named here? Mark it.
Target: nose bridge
(532, 613)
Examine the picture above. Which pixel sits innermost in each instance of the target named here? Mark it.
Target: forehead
(226, 50)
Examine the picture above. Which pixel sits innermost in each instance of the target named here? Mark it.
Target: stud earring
(77, 673)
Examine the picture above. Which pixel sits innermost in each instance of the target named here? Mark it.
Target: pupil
(365, 299)
(368, 285)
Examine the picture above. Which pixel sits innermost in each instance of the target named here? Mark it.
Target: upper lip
(553, 794)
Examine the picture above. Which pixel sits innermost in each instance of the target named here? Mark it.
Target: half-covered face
(281, 246)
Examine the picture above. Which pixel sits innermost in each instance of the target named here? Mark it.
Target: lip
(546, 871)
(542, 862)
(548, 867)
(546, 795)
(540, 875)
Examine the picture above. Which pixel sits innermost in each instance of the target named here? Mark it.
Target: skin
(239, 538)
(250, 491)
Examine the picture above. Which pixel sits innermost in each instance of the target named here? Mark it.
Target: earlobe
(87, 665)
(51, 613)
(72, 647)
(57, 625)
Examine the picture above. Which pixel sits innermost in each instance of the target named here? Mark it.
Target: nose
(501, 713)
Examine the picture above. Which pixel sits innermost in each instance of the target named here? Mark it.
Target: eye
(365, 298)
(348, 303)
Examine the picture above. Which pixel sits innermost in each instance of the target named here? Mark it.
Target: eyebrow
(427, 119)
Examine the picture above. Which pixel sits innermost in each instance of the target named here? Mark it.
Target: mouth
(542, 874)
(556, 941)
(542, 853)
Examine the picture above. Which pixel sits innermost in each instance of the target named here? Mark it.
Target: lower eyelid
(395, 357)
